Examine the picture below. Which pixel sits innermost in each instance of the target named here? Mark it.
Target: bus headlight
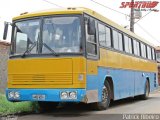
(11, 94)
(68, 95)
(73, 95)
(14, 95)
(64, 95)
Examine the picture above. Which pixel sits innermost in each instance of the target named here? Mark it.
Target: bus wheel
(146, 93)
(47, 106)
(104, 104)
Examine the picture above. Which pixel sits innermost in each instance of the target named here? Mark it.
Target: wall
(4, 51)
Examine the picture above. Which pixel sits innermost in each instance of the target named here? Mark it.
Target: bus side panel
(139, 82)
(129, 74)
(123, 82)
(127, 83)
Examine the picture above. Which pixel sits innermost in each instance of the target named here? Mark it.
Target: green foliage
(7, 107)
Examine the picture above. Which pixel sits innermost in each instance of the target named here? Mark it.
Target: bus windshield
(58, 34)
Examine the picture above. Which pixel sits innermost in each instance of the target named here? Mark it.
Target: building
(4, 53)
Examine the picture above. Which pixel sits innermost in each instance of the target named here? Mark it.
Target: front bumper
(50, 95)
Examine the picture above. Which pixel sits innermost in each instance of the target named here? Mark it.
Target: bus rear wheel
(47, 106)
(106, 96)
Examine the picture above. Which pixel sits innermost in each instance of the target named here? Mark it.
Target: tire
(47, 106)
(145, 96)
(106, 98)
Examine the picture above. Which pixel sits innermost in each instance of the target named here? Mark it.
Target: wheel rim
(104, 95)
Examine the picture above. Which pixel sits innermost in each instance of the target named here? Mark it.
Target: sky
(148, 27)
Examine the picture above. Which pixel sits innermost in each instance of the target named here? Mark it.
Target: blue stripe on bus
(51, 94)
(127, 83)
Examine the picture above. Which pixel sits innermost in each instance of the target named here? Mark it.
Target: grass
(7, 107)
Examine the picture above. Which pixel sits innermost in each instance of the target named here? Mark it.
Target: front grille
(41, 79)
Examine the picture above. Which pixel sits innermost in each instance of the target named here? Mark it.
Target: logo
(141, 5)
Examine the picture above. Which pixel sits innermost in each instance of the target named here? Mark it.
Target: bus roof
(81, 10)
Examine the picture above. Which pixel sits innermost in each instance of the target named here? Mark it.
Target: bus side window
(153, 54)
(138, 48)
(143, 50)
(126, 41)
(149, 52)
(135, 47)
(104, 35)
(91, 41)
(120, 41)
(130, 45)
(115, 39)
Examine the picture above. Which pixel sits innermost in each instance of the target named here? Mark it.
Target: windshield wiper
(29, 49)
(45, 45)
(34, 44)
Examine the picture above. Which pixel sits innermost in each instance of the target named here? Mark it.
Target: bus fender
(111, 84)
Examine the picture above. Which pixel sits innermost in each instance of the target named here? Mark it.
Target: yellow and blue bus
(77, 55)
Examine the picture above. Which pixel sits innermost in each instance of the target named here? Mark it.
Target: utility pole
(132, 17)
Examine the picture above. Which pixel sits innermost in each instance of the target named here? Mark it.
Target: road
(117, 111)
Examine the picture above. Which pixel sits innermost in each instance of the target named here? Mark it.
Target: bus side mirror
(5, 30)
(6, 25)
(91, 26)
